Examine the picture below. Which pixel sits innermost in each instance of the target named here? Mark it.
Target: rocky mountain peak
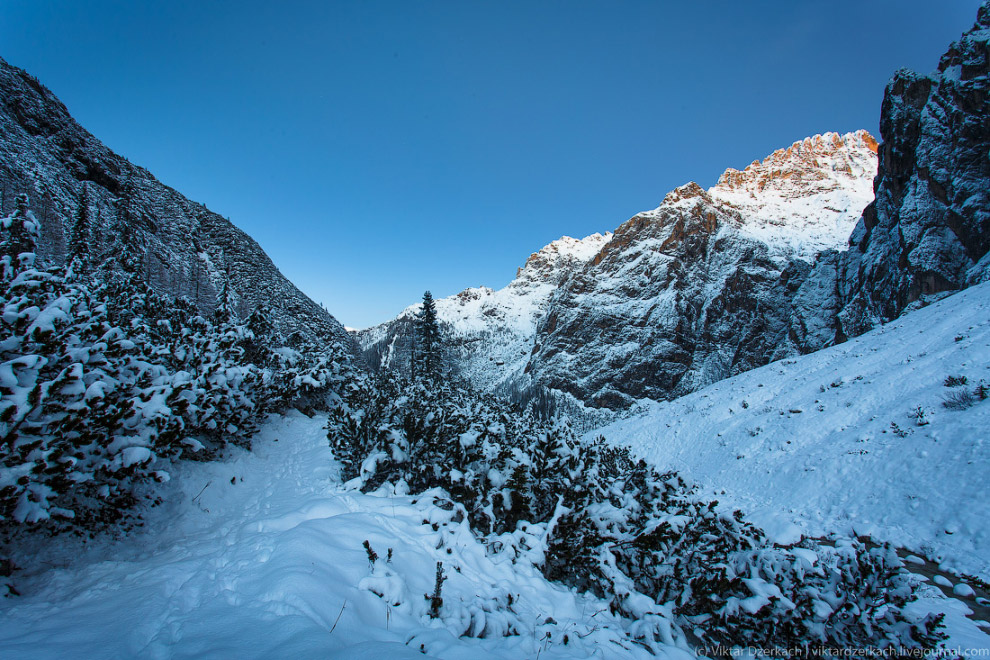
(816, 164)
(555, 260)
(797, 201)
(689, 190)
(968, 58)
(805, 198)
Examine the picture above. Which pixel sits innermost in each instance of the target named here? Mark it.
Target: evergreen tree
(20, 235)
(427, 362)
(226, 309)
(79, 243)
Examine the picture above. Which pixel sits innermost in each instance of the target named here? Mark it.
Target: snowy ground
(263, 566)
(261, 556)
(831, 442)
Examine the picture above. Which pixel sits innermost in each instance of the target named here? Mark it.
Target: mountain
(679, 297)
(701, 287)
(86, 195)
(788, 256)
(792, 254)
(489, 334)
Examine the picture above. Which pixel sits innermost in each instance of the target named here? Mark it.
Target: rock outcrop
(928, 232)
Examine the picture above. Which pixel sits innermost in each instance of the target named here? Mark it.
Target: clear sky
(378, 149)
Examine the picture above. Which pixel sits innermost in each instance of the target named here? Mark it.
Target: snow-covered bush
(958, 400)
(589, 515)
(809, 595)
(103, 381)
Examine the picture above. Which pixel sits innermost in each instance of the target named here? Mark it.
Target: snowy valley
(751, 421)
(262, 555)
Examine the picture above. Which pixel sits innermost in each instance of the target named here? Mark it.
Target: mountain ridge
(179, 246)
(502, 320)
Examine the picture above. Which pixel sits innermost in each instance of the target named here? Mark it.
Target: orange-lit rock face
(815, 164)
(871, 143)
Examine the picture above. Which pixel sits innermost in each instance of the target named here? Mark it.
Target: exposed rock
(180, 246)
(928, 232)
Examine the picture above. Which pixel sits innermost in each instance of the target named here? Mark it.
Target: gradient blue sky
(377, 149)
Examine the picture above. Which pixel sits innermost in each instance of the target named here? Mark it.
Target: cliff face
(179, 246)
(928, 231)
(703, 287)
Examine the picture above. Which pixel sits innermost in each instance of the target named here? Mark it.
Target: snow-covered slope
(264, 559)
(262, 556)
(833, 441)
(489, 334)
(703, 286)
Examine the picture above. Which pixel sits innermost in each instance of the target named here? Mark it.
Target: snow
(135, 456)
(853, 438)
(964, 590)
(262, 556)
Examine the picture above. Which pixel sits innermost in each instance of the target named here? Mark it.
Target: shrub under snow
(592, 517)
(103, 382)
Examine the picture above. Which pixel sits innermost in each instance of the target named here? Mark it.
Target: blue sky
(378, 149)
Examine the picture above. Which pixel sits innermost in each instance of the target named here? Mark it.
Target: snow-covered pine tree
(20, 234)
(79, 241)
(427, 354)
